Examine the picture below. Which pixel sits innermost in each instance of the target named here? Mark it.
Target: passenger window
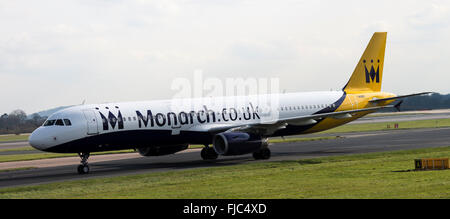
(59, 122)
(49, 122)
(67, 122)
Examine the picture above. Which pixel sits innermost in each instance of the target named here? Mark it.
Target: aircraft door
(92, 125)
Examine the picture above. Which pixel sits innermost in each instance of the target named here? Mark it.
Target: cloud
(123, 50)
(435, 15)
(266, 51)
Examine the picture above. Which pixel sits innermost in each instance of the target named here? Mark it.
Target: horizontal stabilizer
(398, 97)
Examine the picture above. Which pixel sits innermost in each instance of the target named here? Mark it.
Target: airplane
(233, 125)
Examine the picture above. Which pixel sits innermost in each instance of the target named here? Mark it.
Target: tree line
(426, 102)
(433, 101)
(17, 122)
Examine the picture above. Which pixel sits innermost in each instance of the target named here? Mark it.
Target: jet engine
(161, 150)
(237, 143)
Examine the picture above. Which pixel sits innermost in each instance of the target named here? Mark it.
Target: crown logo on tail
(372, 75)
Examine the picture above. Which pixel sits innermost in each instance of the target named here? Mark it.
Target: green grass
(373, 175)
(6, 138)
(432, 123)
(18, 149)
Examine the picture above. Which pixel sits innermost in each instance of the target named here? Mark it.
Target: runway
(350, 143)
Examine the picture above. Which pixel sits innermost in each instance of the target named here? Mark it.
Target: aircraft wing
(268, 127)
(398, 97)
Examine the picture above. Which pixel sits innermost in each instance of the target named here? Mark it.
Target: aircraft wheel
(83, 169)
(208, 153)
(262, 154)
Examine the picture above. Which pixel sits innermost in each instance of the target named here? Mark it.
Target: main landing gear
(83, 168)
(262, 154)
(208, 153)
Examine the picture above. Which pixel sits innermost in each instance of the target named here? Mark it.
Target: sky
(57, 53)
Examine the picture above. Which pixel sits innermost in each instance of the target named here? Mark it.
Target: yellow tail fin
(368, 74)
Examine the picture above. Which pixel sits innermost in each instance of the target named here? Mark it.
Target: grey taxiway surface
(350, 143)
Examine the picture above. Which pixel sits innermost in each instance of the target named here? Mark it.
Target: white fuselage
(130, 124)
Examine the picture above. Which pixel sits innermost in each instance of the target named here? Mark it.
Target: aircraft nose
(38, 139)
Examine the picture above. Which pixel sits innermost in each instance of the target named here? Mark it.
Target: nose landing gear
(83, 168)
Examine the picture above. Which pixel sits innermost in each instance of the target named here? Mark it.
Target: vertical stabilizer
(368, 74)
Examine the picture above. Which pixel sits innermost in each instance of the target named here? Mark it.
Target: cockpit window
(49, 122)
(67, 122)
(59, 122)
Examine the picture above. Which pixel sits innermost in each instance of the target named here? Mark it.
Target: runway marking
(53, 162)
(364, 135)
(65, 161)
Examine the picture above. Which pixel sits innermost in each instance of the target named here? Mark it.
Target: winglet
(397, 106)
